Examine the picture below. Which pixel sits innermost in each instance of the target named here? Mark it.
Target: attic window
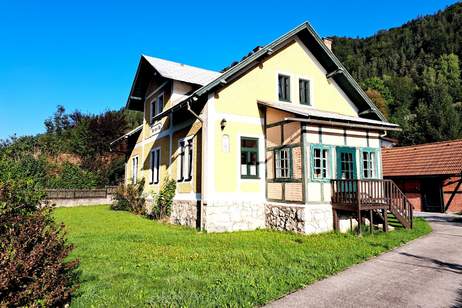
(284, 88)
(304, 88)
(157, 105)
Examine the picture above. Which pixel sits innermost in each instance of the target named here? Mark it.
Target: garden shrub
(130, 198)
(32, 253)
(71, 176)
(32, 250)
(163, 200)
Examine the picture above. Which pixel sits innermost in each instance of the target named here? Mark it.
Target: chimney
(328, 42)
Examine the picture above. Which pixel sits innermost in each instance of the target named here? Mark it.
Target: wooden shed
(429, 174)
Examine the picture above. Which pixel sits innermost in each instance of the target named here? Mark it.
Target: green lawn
(128, 260)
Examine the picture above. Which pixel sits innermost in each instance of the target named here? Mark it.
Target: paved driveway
(424, 273)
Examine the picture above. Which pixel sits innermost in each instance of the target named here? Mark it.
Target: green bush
(32, 249)
(130, 198)
(71, 176)
(163, 200)
(32, 253)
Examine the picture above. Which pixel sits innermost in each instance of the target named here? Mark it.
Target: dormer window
(284, 88)
(160, 103)
(157, 105)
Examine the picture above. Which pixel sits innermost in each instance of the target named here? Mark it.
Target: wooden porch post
(358, 202)
(371, 222)
(385, 220)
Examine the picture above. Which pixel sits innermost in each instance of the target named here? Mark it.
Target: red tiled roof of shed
(426, 159)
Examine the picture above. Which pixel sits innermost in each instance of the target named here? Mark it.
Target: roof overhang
(316, 117)
(127, 135)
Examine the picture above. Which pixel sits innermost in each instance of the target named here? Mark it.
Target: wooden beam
(452, 195)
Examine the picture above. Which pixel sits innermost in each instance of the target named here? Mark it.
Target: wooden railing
(357, 195)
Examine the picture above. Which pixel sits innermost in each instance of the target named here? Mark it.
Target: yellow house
(258, 144)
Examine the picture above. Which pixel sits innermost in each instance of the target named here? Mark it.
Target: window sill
(279, 180)
(320, 180)
(243, 177)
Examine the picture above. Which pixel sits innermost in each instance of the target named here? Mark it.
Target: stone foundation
(318, 218)
(285, 217)
(226, 216)
(184, 212)
(308, 219)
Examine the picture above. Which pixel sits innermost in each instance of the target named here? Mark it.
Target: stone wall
(226, 216)
(285, 217)
(80, 201)
(184, 212)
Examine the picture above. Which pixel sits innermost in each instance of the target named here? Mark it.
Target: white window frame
(310, 91)
(155, 169)
(369, 171)
(159, 108)
(290, 87)
(282, 172)
(154, 107)
(185, 166)
(135, 164)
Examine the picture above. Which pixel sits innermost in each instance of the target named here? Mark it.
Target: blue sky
(83, 54)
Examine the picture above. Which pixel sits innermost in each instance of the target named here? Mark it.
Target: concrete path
(424, 273)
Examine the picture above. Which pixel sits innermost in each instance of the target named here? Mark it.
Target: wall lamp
(223, 124)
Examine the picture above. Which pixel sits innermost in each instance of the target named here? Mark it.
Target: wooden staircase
(374, 199)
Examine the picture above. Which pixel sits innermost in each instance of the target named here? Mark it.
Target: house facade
(429, 174)
(257, 145)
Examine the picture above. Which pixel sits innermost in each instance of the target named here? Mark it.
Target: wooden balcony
(376, 196)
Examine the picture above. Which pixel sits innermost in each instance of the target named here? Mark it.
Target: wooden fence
(53, 194)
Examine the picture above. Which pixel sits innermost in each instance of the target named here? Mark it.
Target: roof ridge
(422, 145)
(179, 63)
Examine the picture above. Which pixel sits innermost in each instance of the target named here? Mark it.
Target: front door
(346, 168)
(346, 163)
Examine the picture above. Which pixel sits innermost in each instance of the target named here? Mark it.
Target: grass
(131, 261)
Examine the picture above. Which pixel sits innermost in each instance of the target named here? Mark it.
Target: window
(320, 159)
(282, 159)
(284, 88)
(186, 160)
(249, 158)
(134, 169)
(156, 106)
(155, 166)
(160, 103)
(369, 164)
(304, 88)
(152, 111)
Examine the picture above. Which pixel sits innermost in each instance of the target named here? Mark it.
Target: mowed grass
(130, 261)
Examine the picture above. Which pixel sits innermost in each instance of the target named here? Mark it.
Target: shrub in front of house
(33, 250)
(163, 200)
(130, 198)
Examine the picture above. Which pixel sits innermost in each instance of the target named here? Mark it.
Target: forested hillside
(413, 74)
(73, 152)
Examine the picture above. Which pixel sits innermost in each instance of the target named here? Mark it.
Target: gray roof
(182, 72)
(308, 111)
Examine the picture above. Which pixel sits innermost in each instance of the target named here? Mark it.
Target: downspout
(188, 106)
